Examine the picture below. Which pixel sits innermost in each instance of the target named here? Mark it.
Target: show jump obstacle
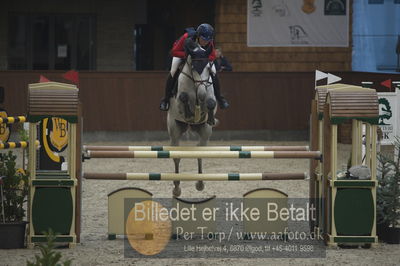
(14, 145)
(196, 177)
(345, 207)
(12, 120)
(195, 148)
(206, 154)
(53, 201)
(192, 152)
(116, 218)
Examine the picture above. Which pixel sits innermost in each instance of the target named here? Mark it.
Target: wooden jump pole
(195, 148)
(15, 145)
(196, 177)
(206, 154)
(12, 120)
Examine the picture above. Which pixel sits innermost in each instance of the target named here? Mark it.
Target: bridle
(205, 82)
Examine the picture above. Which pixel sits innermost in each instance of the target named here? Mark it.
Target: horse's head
(197, 56)
(195, 90)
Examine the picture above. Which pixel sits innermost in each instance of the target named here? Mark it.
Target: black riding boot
(164, 105)
(222, 102)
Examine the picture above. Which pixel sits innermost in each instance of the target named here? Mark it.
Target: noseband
(205, 82)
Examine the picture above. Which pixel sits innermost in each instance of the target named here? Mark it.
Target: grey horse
(194, 105)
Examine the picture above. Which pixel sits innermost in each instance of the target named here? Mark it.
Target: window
(17, 46)
(42, 41)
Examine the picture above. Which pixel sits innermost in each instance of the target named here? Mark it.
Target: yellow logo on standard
(59, 133)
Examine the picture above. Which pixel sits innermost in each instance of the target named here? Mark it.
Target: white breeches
(176, 61)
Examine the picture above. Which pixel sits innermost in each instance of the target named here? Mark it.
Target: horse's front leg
(211, 104)
(175, 130)
(200, 183)
(177, 190)
(204, 132)
(184, 98)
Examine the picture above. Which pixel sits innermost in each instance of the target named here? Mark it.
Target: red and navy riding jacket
(178, 49)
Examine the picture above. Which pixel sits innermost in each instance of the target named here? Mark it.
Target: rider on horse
(204, 36)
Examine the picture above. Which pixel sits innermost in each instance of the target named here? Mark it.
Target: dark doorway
(166, 21)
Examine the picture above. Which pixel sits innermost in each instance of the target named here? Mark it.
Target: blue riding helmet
(205, 31)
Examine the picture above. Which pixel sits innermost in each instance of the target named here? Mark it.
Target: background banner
(298, 23)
